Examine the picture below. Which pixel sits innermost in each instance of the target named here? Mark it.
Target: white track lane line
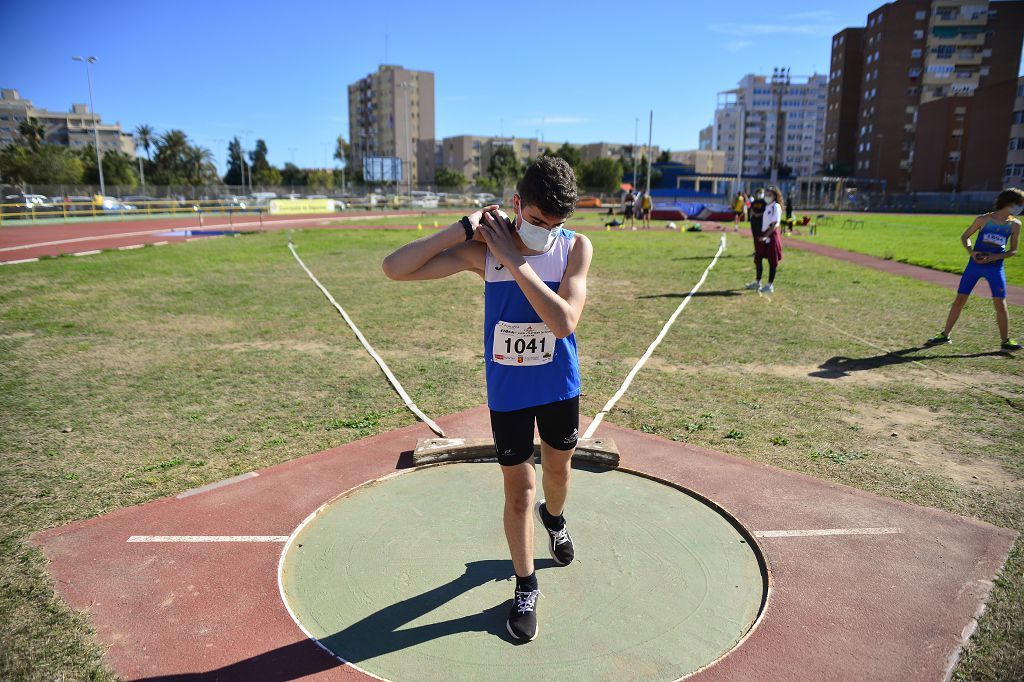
(15, 262)
(599, 417)
(825, 531)
(87, 253)
(75, 240)
(129, 248)
(208, 538)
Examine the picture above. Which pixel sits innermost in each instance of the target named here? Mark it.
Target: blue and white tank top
(994, 237)
(526, 365)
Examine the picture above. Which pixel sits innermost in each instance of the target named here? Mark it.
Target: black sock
(551, 522)
(527, 584)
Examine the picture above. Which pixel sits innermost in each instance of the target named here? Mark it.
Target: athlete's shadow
(379, 633)
(720, 292)
(839, 366)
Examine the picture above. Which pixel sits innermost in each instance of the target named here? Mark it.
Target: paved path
(1014, 294)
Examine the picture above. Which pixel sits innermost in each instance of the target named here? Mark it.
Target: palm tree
(200, 159)
(33, 130)
(145, 134)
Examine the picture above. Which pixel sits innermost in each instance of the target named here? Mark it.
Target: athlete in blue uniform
(998, 234)
(535, 287)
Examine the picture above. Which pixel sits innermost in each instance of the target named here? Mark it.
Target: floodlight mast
(95, 119)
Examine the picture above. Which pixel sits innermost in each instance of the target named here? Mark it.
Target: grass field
(185, 364)
(932, 241)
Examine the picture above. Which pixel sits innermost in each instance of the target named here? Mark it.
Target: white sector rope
(369, 349)
(599, 417)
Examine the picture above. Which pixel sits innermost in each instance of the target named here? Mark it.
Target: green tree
(572, 155)
(33, 132)
(48, 165)
(262, 172)
(320, 178)
(118, 168)
(601, 175)
(664, 157)
(504, 168)
(235, 156)
(342, 150)
(144, 136)
(446, 177)
(292, 175)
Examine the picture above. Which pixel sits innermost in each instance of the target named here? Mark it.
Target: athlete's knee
(961, 299)
(519, 499)
(557, 472)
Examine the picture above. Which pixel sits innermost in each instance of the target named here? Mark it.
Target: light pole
(650, 131)
(780, 87)
(636, 129)
(95, 119)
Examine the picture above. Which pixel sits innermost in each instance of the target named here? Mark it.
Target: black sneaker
(1011, 344)
(522, 617)
(559, 543)
(938, 340)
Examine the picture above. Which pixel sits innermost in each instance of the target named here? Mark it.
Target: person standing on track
(996, 231)
(535, 287)
(739, 207)
(646, 206)
(630, 206)
(768, 243)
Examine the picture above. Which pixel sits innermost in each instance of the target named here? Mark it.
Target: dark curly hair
(549, 185)
(1009, 196)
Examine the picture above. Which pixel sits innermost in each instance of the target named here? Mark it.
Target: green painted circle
(408, 579)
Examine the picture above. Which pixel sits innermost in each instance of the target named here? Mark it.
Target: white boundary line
(369, 349)
(129, 248)
(216, 484)
(97, 237)
(208, 538)
(15, 262)
(287, 546)
(599, 417)
(87, 253)
(824, 531)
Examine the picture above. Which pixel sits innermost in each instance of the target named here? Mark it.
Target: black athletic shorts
(558, 424)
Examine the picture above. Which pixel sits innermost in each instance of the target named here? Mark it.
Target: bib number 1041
(522, 344)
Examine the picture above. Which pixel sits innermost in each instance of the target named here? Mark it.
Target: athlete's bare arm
(560, 311)
(965, 238)
(441, 254)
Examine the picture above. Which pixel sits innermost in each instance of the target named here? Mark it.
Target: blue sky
(582, 71)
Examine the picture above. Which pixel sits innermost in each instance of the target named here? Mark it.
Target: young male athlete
(996, 231)
(535, 286)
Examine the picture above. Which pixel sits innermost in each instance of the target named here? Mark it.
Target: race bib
(994, 239)
(522, 344)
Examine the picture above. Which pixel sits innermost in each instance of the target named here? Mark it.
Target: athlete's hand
(499, 238)
(475, 219)
(981, 257)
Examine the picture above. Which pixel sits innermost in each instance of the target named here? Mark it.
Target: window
(914, 74)
(915, 53)
(918, 34)
(919, 15)
(944, 51)
(913, 92)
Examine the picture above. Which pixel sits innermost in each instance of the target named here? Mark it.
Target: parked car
(485, 199)
(423, 200)
(26, 202)
(588, 202)
(114, 204)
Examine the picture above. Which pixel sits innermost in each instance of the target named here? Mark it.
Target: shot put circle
(408, 578)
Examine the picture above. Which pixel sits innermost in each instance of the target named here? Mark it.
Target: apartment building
(471, 154)
(936, 90)
(746, 120)
(704, 161)
(844, 81)
(706, 138)
(72, 129)
(1013, 173)
(391, 114)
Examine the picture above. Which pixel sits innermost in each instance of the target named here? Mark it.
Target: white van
(423, 199)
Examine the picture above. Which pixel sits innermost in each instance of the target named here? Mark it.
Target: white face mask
(769, 198)
(536, 238)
